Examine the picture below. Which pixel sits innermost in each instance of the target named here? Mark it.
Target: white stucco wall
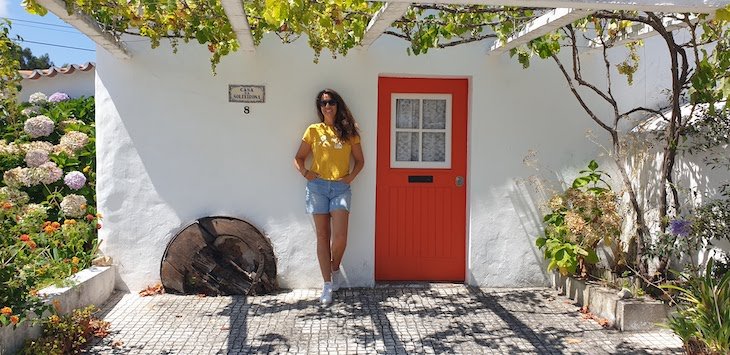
(172, 149)
(76, 84)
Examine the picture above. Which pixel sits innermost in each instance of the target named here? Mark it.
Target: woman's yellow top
(331, 156)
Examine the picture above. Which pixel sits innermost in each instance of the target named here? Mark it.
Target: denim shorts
(325, 196)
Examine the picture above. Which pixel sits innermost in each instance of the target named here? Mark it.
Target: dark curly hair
(345, 125)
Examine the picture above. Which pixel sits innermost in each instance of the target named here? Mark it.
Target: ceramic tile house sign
(247, 93)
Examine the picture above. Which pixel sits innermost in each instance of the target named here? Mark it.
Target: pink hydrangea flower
(38, 126)
(74, 140)
(75, 180)
(35, 158)
(51, 172)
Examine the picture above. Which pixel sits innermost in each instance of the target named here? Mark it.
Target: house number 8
(246, 110)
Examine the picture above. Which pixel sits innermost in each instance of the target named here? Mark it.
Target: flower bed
(48, 219)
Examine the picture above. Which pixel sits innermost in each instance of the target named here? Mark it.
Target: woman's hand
(347, 179)
(309, 175)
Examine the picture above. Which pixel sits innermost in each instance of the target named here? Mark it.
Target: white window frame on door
(446, 164)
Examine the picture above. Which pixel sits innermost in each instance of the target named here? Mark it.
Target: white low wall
(89, 286)
(171, 149)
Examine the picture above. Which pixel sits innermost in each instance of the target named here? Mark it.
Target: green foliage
(711, 78)
(629, 66)
(723, 14)
(711, 222)
(564, 255)
(30, 61)
(67, 334)
(427, 26)
(9, 75)
(579, 219)
(702, 320)
(337, 25)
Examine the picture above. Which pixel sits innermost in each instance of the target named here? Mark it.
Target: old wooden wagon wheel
(219, 256)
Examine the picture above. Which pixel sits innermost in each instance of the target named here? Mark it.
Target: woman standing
(332, 143)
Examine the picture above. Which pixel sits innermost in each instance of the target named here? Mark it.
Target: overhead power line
(37, 22)
(58, 45)
(50, 29)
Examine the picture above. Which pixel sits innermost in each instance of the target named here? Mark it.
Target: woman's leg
(339, 236)
(322, 226)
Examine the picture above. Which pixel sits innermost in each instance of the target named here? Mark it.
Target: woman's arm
(359, 163)
(300, 157)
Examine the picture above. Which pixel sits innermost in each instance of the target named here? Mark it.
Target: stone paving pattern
(430, 319)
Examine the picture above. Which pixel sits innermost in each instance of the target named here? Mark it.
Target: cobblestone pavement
(433, 318)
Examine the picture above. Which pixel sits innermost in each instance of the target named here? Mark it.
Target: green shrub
(579, 220)
(67, 334)
(702, 320)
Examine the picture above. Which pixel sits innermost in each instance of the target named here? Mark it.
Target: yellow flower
(54, 319)
(6, 311)
(87, 169)
(69, 222)
(74, 260)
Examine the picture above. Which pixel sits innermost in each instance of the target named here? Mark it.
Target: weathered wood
(219, 256)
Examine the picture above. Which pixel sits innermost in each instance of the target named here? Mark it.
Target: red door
(420, 219)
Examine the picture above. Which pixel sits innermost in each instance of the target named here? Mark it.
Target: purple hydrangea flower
(38, 126)
(75, 180)
(58, 97)
(680, 227)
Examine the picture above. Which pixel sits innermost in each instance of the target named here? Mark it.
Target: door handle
(459, 181)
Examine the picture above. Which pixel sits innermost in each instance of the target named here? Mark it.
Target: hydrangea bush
(48, 220)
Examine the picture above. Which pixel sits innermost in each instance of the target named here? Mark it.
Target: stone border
(90, 286)
(622, 314)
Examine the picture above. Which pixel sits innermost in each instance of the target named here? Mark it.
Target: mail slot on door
(423, 179)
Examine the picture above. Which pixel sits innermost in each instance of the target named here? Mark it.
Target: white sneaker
(326, 297)
(336, 280)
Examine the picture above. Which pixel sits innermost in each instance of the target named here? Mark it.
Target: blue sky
(52, 32)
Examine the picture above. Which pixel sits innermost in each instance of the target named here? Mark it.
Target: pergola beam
(675, 6)
(538, 27)
(237, 17)
(88, 26)
(382, 20)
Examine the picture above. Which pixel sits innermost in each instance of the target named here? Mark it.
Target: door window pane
(406, 146)
(434, 146)
(407, 113)
(434, 114)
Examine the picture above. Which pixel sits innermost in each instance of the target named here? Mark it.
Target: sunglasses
(324, 103)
